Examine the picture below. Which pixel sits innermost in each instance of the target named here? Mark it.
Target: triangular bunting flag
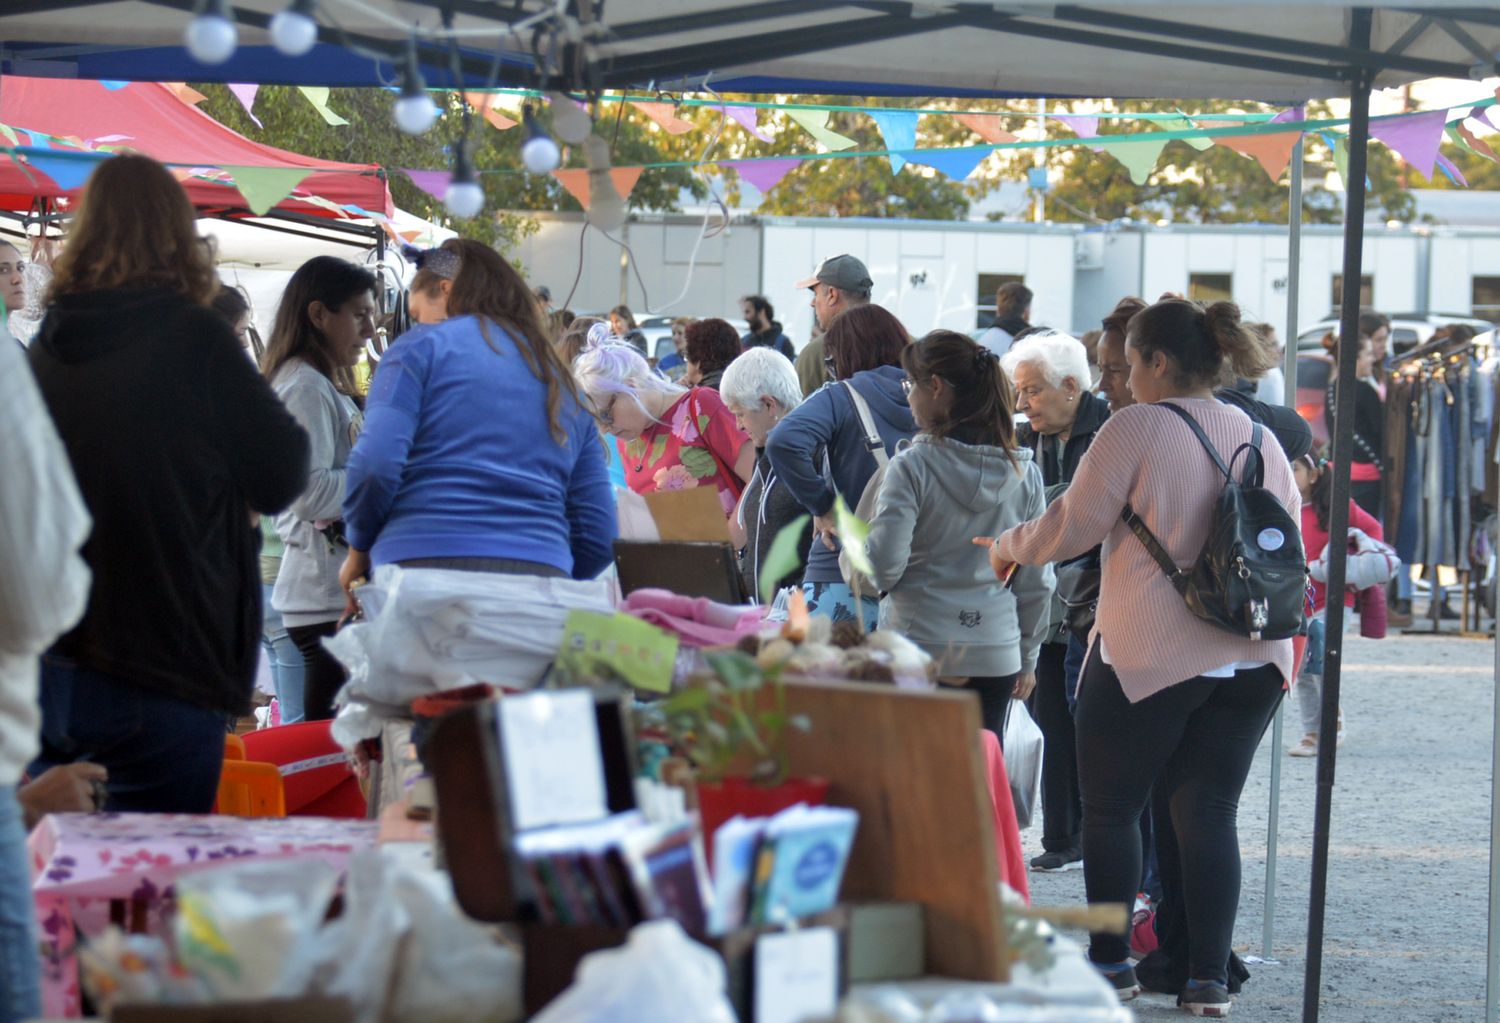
(1272, 152)
(957, 164)
(317, 95)
(1473, 144)
(245, 93)
(749, 119)
(815, 123)
(576, 181)
(484, 104)
(264, 187)
(1451, 172)
(899, 129)
(1416, 138)
(192, 97)
(1184, 123)
(1485, 115)
(625, 179)
(665, 115)
(1085, 126)
(433, 182)
(1339, 147)
(763, 174)
(9, 134)
(113, 86)
(1291, 114)
(69, 173)
(1138, 157)
(986, 126)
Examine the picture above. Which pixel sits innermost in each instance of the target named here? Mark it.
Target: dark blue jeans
(163, 755)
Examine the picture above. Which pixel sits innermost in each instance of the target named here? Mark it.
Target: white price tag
(552, 760)
(797, 976)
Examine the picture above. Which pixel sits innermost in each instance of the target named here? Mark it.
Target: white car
(1407, 331)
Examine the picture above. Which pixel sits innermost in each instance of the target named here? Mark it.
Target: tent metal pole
(1492, 971)
(1338, 518)
(1289, 398)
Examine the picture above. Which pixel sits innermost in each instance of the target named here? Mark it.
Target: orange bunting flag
(192, 97)
(1477, 144)
(576, 181)
(665, 115)
(986, 126)
(1272, 152)
(484, 104)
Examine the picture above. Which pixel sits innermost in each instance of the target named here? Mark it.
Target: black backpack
(1250, 578)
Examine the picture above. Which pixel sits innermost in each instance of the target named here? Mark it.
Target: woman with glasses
(478, 452)
(670, 437)
(820, 450)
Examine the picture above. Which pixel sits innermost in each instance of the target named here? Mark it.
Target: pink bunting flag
(1290, 115)
(665, 115)
(245, 93)
(749, 119)
(1485, 115)
(484, 104)
(763, 174)
(433, 182)
(1085, 126)
(986, 126)
(1415, 138)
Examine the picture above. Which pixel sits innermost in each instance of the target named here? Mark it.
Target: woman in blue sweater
(477, 452)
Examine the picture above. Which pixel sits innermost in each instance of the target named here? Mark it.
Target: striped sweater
(1149, 458)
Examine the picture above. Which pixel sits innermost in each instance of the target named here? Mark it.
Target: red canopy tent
(159, 124)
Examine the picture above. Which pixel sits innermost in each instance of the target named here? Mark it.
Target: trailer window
(1211, 287)
(984, 318)
(1486, 298)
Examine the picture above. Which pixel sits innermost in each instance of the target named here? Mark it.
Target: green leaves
(853, 532)
(783, 558)
(737, 670)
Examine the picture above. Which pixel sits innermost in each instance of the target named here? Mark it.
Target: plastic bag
(248, 931)
(1371, 562)
(431, 629)
(659, 974)
(451, 970)
(1023, 762)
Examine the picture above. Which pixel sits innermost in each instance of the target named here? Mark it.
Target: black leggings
(1195, 741)
(994, 701)
(1062, 813)
(324, 674)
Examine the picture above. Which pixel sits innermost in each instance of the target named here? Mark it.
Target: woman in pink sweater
(1165, 699)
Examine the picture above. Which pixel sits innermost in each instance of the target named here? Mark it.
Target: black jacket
(1059, 467)
(771, 337)
(175, 439)
(1369, 420)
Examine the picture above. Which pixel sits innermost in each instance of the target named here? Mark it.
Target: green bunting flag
(1138, 157)
(264, 187)
(815, 123)
(317, 95)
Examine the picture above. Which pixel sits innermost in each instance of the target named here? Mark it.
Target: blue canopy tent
(1232, 49)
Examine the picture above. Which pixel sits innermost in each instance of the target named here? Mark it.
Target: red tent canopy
(154, 121)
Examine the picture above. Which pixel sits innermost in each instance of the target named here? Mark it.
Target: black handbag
(1078, 589)
(1250, 578)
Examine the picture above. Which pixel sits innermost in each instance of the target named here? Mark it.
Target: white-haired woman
(1050, 371)
(760, 387)
(671, 437)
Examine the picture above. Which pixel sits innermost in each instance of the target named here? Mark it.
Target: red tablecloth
(1007, 834)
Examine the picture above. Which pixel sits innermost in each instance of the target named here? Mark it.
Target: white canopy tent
(1227, 49)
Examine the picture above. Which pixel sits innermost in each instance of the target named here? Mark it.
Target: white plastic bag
(1023, 761)
(659, 974)
(1371, 562)
(431, 629)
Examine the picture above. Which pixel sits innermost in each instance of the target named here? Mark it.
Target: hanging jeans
(1188, 749)
(20, 974)
(1061, 810)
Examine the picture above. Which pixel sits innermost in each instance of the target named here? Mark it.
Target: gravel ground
(1409, 857)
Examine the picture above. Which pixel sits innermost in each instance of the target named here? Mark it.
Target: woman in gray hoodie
(962, 477)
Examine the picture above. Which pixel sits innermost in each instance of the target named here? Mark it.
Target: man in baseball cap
(840, 283)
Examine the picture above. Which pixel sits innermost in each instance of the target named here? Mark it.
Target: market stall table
(89, 870)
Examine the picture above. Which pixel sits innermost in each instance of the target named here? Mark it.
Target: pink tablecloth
(81, 864)
(1007, 834)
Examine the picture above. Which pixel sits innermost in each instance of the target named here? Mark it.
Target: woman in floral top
(670, 437)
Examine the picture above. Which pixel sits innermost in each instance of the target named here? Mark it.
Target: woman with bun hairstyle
(962, 476)
(1365, 474)
(1169, 707)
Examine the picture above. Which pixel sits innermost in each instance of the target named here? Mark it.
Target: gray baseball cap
(844, 272)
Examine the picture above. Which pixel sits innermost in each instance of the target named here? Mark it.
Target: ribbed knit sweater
(1147, 457)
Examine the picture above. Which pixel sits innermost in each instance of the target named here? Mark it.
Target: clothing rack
(1441, 413)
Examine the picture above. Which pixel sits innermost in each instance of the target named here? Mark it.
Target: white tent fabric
(1277, 52)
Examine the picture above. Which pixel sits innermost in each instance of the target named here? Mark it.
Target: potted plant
(732, 724)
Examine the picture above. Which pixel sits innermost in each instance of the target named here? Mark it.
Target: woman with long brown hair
(326, 316)
(478, 452)
(175, 440)
(962, 476)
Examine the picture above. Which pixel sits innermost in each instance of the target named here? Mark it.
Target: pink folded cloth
(697, 621)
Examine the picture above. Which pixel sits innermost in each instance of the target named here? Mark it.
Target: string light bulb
(211, 38)
(607, 210)
(570, 121)
(293, 30)
(539, 153)
(464, 196)
(415, 110)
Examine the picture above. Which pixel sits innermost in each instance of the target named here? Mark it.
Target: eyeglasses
(607, 413)
(907, 385)
(828, 365)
